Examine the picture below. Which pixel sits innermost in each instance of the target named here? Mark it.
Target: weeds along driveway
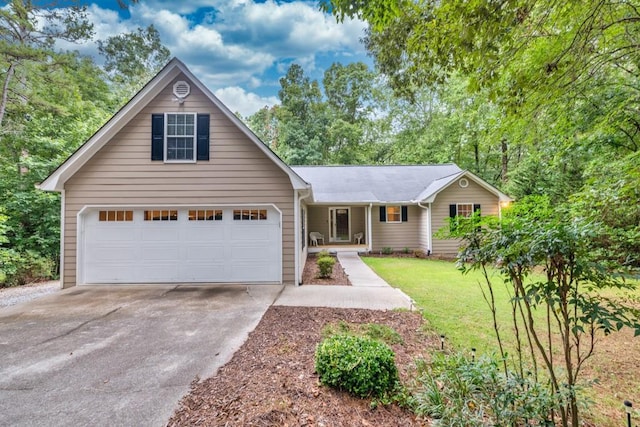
(118, 356)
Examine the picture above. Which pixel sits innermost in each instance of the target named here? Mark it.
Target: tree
(570, 297)
(131, 59)
(27, 36)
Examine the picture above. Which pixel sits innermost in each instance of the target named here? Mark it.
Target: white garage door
(175, 245)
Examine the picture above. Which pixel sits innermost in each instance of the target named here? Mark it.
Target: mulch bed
(311, 274)
(271, 380)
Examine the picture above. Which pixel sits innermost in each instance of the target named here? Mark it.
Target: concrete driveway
(118, 356)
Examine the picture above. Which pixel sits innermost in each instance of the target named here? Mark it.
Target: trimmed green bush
(323, 254)
(387, 250)
(361, 366)
(325, 265)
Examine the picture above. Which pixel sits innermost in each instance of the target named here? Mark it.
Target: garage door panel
(208, 253)
(158, 272)
(111, 234)
(161, 252)
(141, 251)
(155, 234)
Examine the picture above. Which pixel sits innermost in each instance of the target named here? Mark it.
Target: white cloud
(246, 103)
(236, 44)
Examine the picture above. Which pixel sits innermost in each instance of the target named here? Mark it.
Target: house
(174, 188)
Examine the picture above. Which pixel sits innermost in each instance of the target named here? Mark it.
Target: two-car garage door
(180, 245)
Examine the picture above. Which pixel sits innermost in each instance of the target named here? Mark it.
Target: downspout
(369, 232)
(300, 196)
(428, 209)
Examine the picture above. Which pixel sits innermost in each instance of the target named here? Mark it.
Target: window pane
(102, 216)
(393, 214)
(128, 216)
(263, 214)
(218, 215)
(465, 209)
(237, 214)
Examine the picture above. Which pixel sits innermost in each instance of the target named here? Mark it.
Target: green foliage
(361, 366)
(382, 333)
(387, 250)
(323, 254)
(131, 59)
(18, 269)
(325, 265)
(461, 392)
(535, 234)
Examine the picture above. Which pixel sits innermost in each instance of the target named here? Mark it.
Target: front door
(340, 226)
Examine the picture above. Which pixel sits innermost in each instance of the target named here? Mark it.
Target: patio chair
(358, 237)
(314, 236)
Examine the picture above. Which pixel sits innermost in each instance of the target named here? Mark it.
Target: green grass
(452, 303)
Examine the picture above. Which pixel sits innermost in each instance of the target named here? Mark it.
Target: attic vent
(463, 183)
(181, 90)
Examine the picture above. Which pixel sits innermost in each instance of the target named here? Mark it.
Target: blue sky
(238, 48)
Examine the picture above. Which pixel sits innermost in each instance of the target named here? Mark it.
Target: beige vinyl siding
(318, 220)
(395, 235)
(122, 173)
(453, 194)
(359, 222)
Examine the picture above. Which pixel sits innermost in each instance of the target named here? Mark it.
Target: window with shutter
(393, 214)
(179, 137)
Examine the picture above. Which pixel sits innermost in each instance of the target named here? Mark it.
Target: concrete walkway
(359, 273)
(368, 290)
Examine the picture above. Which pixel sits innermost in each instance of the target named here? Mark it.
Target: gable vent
(181, 90)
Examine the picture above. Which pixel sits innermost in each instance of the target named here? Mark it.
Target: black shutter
(157, 137)
(476, 209)
(404, 214)
(383, 214)
(203, 137)
(453, 211)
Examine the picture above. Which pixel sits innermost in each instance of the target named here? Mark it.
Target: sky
(238, 48)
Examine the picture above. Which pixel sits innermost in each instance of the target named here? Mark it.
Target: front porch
(338, 247)
(343, 228)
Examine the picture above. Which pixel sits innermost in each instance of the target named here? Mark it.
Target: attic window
(181, 89)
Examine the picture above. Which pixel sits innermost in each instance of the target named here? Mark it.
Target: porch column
(369, 233)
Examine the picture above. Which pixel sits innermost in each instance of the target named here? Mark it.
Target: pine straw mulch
(271, 380)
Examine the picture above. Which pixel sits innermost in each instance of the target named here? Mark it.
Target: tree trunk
(5, 91)
(505, 160)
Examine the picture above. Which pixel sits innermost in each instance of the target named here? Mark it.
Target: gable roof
(385, 184)
(55, 181)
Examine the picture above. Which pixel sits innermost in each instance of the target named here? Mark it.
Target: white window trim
(387, 214)
(465, 204)
(195, 137)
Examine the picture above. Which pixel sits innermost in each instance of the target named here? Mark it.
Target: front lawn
(453, 305)
(452, 302)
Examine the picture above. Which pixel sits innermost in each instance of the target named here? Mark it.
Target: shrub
(18, 269)
(387, 250)
(323, 254)
(325, 265)
(406, 250)
(376, 331)
(419, 253)
(463, 392)
(361, 366)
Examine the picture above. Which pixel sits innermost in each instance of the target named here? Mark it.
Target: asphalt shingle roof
(376, 184)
